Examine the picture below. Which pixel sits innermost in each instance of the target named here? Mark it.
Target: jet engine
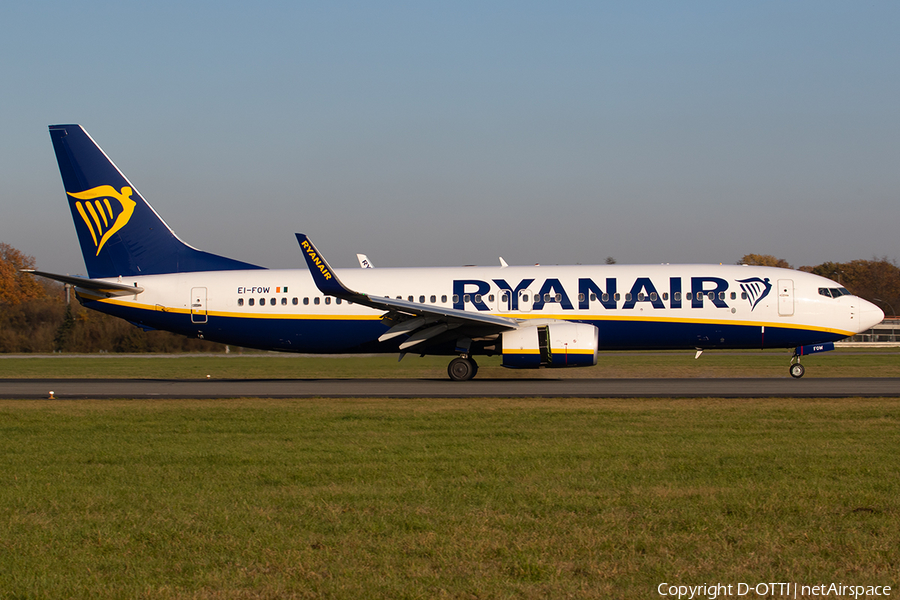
(550, 344)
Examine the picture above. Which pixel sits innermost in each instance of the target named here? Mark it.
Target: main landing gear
(797, 369)
(462, 368)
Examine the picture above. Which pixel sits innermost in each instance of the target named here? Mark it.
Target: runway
(439, 388)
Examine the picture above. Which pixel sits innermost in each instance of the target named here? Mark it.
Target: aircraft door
(785, 297)
(198, 305)
(504, 303)
(526, 300)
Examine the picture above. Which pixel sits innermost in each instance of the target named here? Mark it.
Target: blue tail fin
(120, 234)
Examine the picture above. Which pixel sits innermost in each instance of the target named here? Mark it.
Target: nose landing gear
(797, 369)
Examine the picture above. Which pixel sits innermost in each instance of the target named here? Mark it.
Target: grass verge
(443, 498)
(840, 363)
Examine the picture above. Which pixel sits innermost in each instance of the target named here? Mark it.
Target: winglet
(322, 273)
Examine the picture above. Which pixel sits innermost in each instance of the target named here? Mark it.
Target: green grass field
(443, 498)
(882, 362)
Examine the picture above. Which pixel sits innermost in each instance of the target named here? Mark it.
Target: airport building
(886, 332)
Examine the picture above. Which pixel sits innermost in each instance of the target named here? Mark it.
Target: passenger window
(558, 298)
(294, 302)
(653, 297)
(628, 297)
(467, 298)
(338, 301)
(240, 301)
(677, 297)
(444, 298)
(712, 295)
(316, 300)
(618, 296)
(524, 297)
(665, 295)
(433, 299)
(490, 298)
(273, 302)
(455, 298)
(327, 299)
(284, 301)
(640, 296)
(262, 301)
(743, 295)
(605, 297)
(478, 298)
(306, 302)
(250, 301)
(581, 297)
(505, 297)
(410, 298)
(733, 295)
(721, 295)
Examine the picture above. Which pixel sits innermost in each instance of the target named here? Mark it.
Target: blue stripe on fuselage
(329, 335)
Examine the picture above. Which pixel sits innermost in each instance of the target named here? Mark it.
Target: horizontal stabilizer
(105, 288)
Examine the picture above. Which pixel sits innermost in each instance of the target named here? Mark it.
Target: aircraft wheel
(462, 369)
(797, 371)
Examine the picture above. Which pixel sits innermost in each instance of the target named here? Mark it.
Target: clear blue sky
(426, 133)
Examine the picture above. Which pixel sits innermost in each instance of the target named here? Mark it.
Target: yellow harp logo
(101, 217)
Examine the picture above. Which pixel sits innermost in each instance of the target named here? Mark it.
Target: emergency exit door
(198, 305)
(785, 297)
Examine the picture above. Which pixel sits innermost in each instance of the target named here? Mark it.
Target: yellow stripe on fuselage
(580, 318)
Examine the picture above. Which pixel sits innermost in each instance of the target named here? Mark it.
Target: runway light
(51, 395)
(207, 376)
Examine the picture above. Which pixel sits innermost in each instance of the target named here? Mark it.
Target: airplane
(530, 316)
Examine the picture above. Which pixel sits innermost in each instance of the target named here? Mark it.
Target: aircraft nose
(869, 315)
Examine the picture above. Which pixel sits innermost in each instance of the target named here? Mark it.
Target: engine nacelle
(554, 344)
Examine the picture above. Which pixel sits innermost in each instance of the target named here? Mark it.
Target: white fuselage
(633, 306)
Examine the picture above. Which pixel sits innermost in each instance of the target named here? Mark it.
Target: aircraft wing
(414, 316)
(93, 287)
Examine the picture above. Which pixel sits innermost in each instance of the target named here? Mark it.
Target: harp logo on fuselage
(104, 211)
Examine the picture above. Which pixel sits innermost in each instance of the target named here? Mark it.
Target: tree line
(876, 280)
(35, 317)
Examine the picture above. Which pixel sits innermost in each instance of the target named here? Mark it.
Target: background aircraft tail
(119, 233)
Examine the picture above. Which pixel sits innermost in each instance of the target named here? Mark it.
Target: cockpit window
(834, 292)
